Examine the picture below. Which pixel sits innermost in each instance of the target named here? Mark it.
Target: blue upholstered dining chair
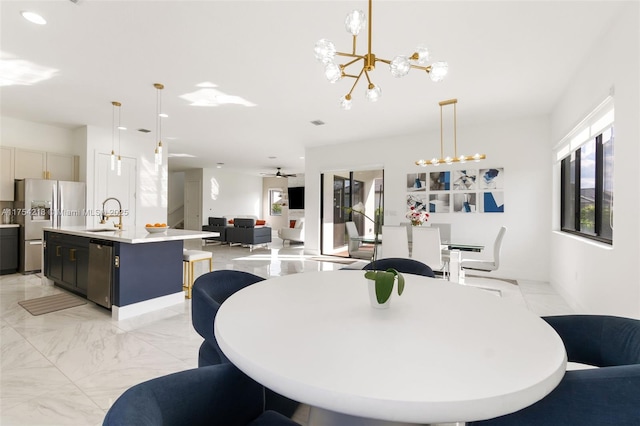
(604, 396)
(214, 395)
(210, 290)
(401, 264)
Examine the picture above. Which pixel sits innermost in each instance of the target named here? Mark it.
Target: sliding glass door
(340, 191)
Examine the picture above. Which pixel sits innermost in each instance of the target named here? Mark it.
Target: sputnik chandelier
(456, 158)
(400, 66)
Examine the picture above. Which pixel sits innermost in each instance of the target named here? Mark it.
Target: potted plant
(380, 282)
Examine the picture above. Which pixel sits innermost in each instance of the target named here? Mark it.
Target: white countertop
(442, 352)
(133, 236)
(9, 225)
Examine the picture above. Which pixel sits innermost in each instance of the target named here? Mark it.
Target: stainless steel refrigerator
(44, 203)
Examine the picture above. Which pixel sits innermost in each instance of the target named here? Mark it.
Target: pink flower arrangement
(417, 217)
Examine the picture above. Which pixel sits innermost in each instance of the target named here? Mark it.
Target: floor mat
(47, 304)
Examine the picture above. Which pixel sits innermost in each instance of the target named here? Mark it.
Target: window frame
(595, 127)
(598, 190)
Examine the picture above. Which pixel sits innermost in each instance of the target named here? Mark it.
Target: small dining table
(442, 352)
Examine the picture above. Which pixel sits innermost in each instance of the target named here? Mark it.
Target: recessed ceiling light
(172, 154)
(33, 17)
(122, 128)
(163, 115)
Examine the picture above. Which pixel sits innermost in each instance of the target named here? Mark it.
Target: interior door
(193, 205)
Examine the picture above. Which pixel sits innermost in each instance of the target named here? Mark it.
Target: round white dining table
(442, 352)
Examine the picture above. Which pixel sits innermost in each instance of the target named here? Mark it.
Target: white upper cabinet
(30, 164)
(45, 165)
(18, 163)
(62, 166)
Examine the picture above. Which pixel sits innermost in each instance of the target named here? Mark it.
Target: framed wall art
(468, 191)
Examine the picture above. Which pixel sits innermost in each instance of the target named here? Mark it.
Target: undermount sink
(102, 230)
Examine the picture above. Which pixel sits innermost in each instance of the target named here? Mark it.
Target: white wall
(520, 146)
(228, 193)
(38, 136)
(598, 278)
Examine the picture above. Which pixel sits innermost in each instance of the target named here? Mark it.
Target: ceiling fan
(278, 174)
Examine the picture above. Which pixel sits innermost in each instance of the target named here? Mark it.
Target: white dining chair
(487, 265)
(427, 248)
(354, 244)
(395, 242)
(445, 231)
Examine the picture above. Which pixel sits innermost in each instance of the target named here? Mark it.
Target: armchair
(219, 394)
(401, 264)
(609, 395)
(244, 232)
(217, 224)
(209, 292)
(295, 234)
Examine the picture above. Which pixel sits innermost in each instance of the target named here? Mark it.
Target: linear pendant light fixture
(116, 162)
(325, 51)
(159, 116)
(456, 158)
(114, 104)
(120, 128)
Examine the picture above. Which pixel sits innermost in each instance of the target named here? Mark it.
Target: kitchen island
(130, 272)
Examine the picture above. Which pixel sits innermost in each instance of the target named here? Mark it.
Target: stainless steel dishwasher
(100, 287)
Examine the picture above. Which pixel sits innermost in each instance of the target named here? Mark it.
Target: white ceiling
(506, 59)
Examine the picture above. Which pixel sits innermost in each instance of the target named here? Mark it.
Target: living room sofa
(245, 232)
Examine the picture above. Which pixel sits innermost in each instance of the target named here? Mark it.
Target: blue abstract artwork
(493, 202)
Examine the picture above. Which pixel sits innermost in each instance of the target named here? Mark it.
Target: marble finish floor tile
(68, 367)
(19, 385)
(66, 405)
(79, 334)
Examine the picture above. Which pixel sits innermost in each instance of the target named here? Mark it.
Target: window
(276, 201)
(586, 177)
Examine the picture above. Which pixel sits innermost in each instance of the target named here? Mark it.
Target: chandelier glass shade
(435, 161)
(159, 116)
(355, 22)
